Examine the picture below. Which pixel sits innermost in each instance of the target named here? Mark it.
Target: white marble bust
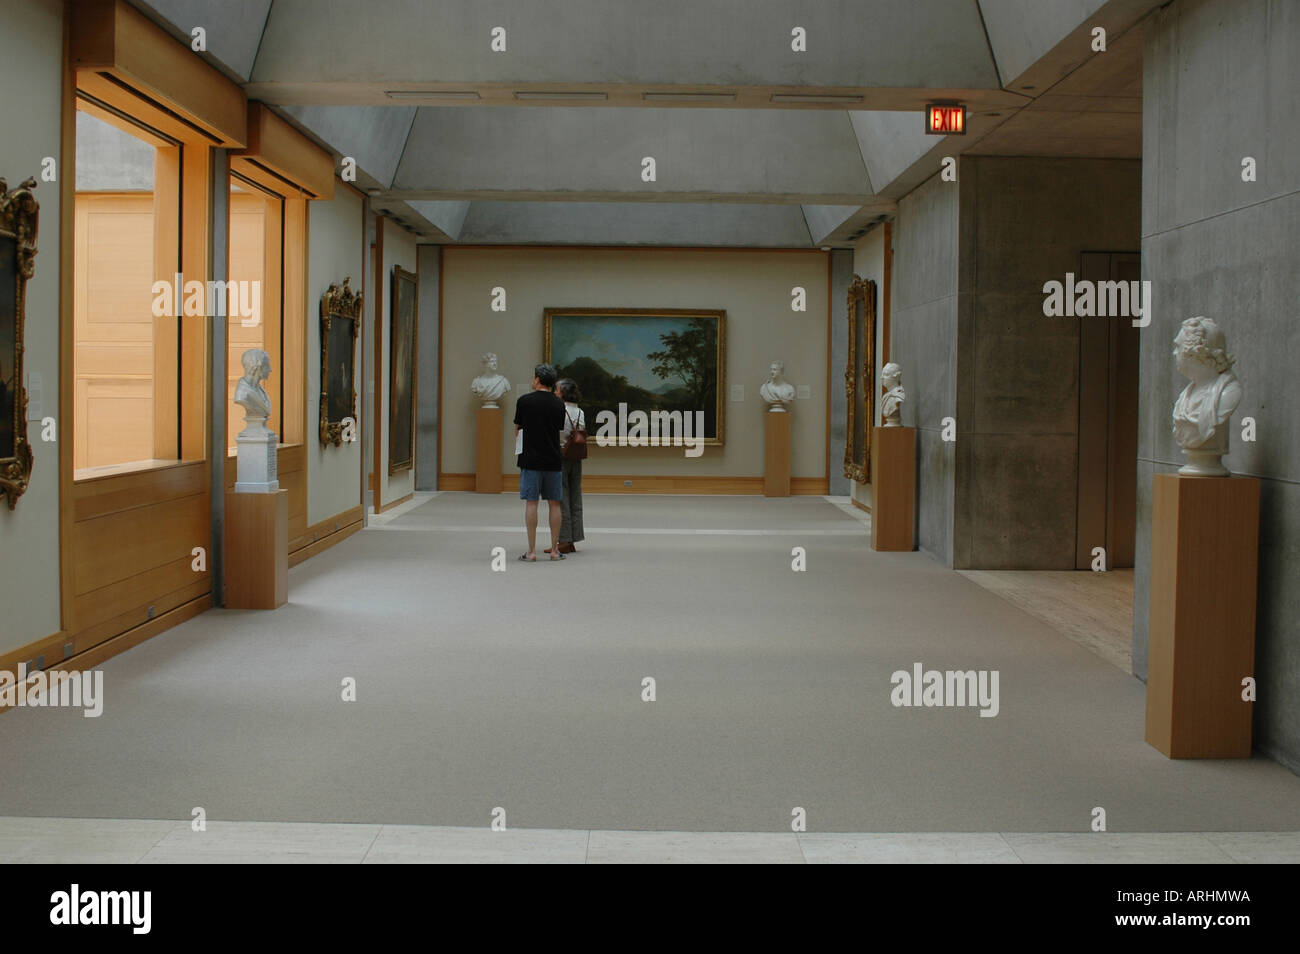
(776, 390)
(1204, 408)
(251, 396)
(256, 467)
(891, 405)
(490, 385)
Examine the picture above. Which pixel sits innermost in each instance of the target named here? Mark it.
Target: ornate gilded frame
(19, 215)
(339, 303)
(860, 380)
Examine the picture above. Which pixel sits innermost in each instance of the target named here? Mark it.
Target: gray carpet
(522, 690)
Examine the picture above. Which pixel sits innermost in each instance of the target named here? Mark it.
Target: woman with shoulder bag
(573, 447)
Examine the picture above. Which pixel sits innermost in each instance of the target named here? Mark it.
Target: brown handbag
(575, 448)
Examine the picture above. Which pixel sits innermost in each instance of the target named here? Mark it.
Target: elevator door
(1108, 396)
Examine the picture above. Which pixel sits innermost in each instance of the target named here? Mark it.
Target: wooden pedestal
(893, 488)
(1204, 565)
(257, 550)
(776, 469)
(487, 477)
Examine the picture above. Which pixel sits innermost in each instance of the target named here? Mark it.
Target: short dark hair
(569, 390)
(545, 373)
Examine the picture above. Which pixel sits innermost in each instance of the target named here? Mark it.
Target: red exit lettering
(946, 120)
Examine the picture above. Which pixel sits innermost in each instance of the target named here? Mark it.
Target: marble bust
(250, 395)
(256, 469)
(891, 404)
(1204, 408)
(490, 385)
(776, 390)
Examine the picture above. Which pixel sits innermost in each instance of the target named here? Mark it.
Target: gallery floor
(522, 690)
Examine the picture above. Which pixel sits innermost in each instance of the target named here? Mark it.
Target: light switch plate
(803, 391)
(737, 392)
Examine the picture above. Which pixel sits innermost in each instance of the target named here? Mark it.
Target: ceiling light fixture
(814, 98)
(431, 94)
(689, 97)
(576, 95)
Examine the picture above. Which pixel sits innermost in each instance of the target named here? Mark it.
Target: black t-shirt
(541, 415)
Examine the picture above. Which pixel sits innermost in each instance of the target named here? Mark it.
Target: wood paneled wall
(133, 546)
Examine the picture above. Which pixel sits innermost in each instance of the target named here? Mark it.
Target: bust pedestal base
(1201, 643)
(776, 470)
(487, 478)
(893, 488)
(256, 469)
(257, 550)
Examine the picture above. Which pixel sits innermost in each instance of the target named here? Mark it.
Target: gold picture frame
(860, 380)
(19, 217)
(340, 325)
(706, 376)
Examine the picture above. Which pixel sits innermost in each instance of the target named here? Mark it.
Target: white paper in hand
(519, 442)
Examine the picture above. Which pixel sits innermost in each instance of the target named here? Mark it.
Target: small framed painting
(340, 325)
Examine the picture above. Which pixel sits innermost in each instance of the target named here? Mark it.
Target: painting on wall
(18, 220)
(401, 380)
(340, 324)
(626, 360)
(860, 380)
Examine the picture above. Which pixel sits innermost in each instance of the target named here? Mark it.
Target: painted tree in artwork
(690, 356)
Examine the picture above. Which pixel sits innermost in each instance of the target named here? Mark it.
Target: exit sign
(945, 120)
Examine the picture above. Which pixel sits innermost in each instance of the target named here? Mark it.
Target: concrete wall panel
(1221, 81)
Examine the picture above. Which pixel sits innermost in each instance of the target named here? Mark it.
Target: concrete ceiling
(754, 143)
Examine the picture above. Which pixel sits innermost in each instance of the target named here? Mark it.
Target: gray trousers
(571, 502)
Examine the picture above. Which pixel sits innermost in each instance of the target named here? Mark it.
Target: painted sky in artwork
(619, 344)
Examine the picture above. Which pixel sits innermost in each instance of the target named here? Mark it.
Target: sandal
(523, 558)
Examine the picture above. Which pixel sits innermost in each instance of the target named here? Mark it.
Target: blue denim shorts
(546, 483)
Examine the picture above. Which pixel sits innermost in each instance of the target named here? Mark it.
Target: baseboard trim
(110, 647)
(305, 553)
(325, 528)
(401, 500)
(654, 484)
(45, 646)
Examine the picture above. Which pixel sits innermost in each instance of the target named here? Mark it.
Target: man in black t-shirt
(540, 415)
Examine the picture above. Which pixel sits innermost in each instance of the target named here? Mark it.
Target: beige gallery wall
(31, 75)
(335, 248)
(753, 287)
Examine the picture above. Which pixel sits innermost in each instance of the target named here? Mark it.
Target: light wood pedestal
(257, 550)
(776, 468)
(487, 477)
(893, 488)
(1204, 567)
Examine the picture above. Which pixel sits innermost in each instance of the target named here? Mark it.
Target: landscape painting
(662, 360)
